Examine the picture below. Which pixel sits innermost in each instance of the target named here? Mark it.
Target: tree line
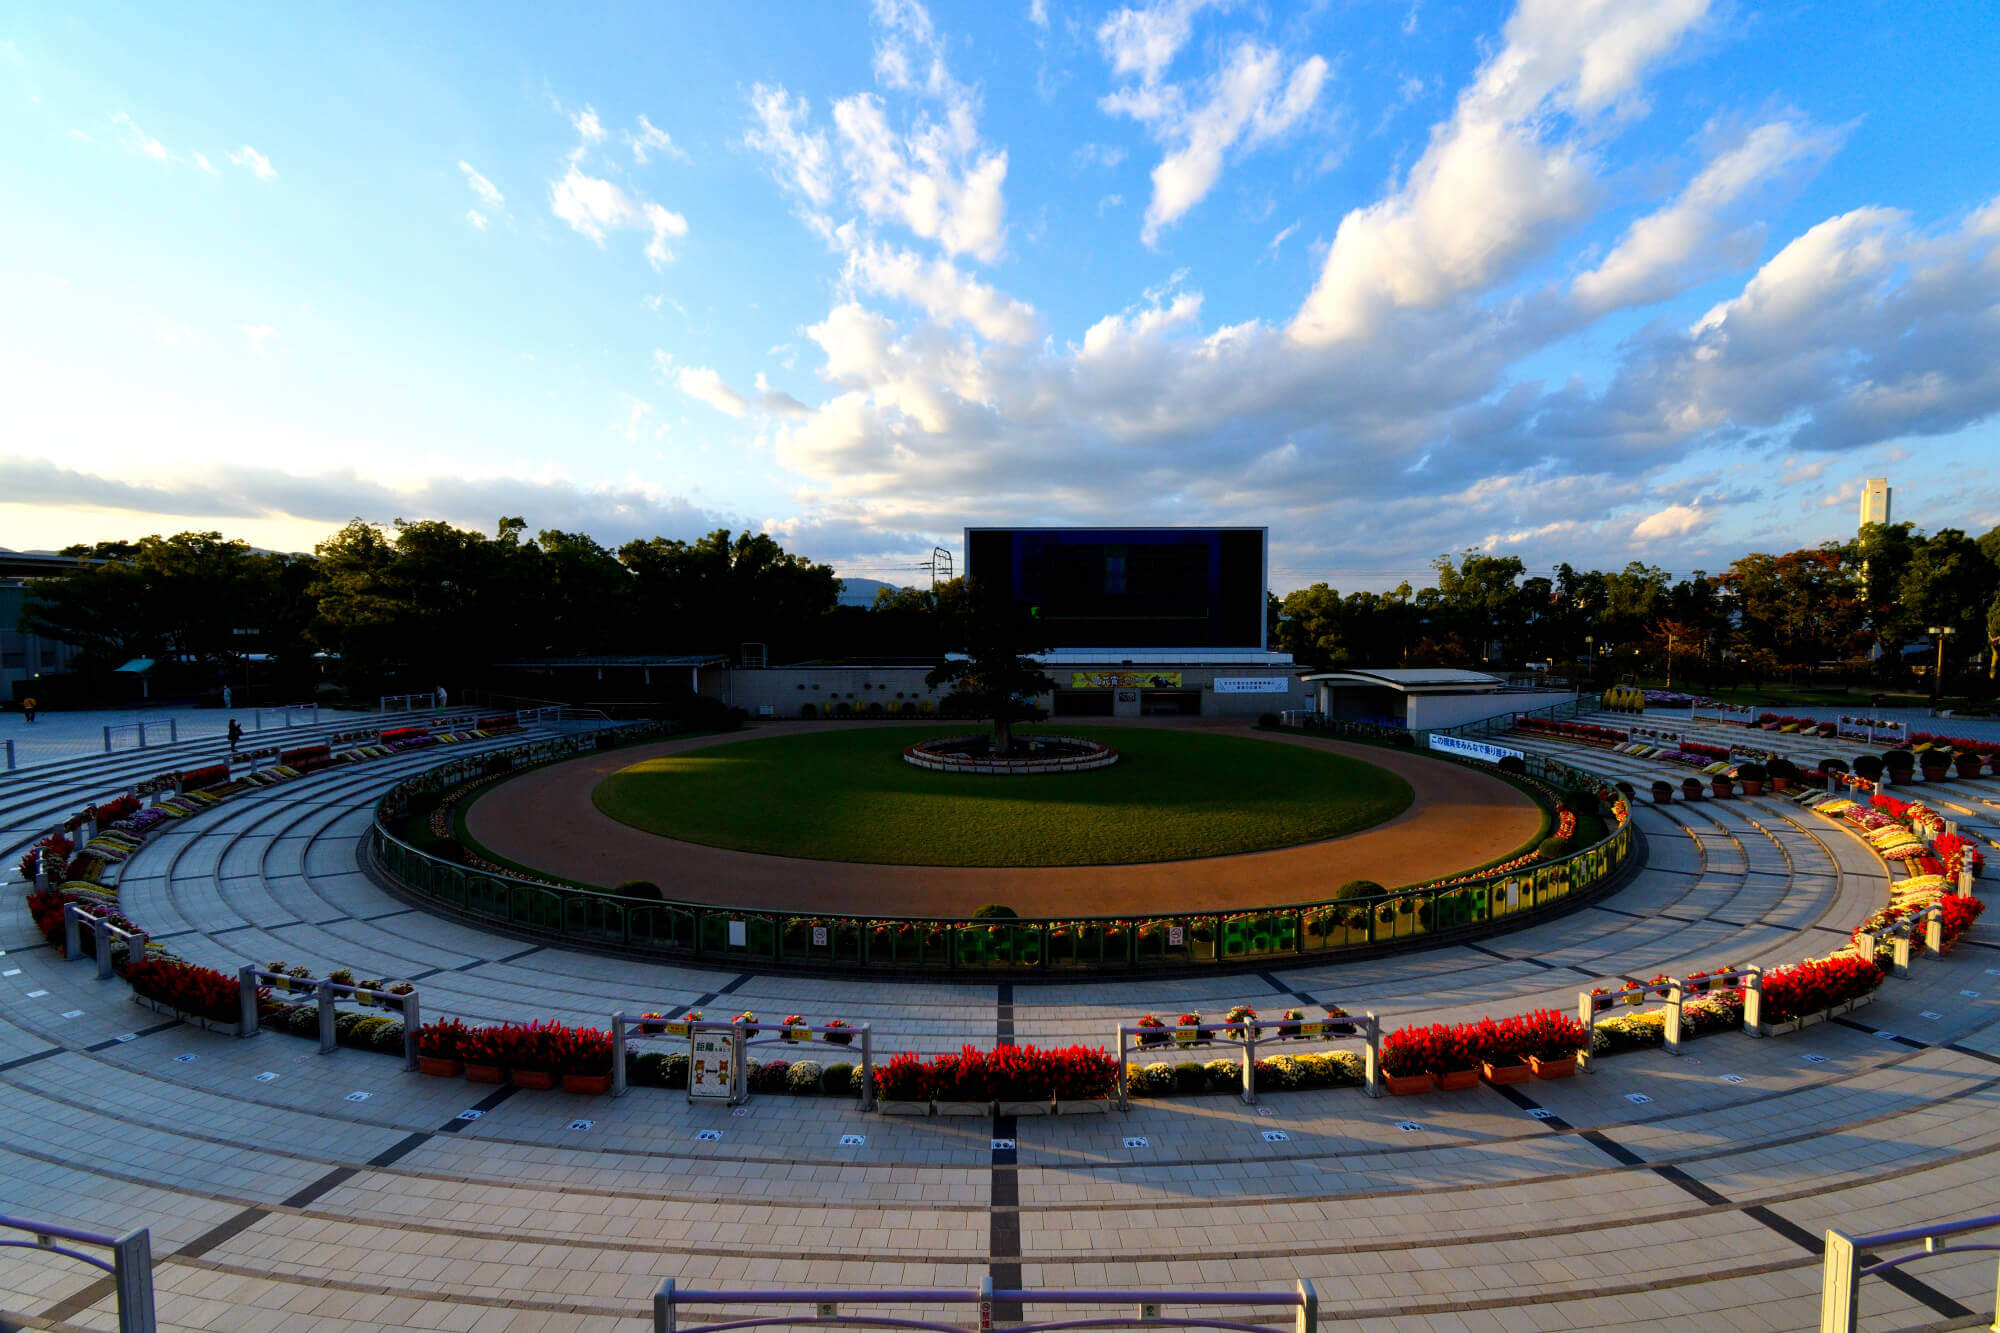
(1854, 605)
(423, 603)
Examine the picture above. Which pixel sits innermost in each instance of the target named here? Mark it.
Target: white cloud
(633, 425)
(803, 157)
(136, 140)
(489, 193)
(706, 386)
(1038, 14)
(1281, 238)
(941, 291)
(937, 180)
(1664, 251)
(260, 337)
(1097, 155)
(1246, 103)
(777, 401)
(588, 127)
(201, 161)
(1673, 521)
(1488, 191)
(652, 139)
(1144, 41)
(593, 206)
(476, 218)
(255, 163)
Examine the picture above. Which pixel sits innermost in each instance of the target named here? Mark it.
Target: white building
(1875, 495)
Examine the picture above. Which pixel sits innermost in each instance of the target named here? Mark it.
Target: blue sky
(1578, 281)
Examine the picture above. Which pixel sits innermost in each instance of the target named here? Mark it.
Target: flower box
(1564, 1068)
(1084, 1106)
(1502, 1075)
(1405, 1085)
(438, 1068)
(192, 1020)
(1457, 1080)
(538, 1080)
(1807, 1020)
(1023, 1108)
(587, 1085)
(889, 1106)
(484, 1073)
(964, 1108)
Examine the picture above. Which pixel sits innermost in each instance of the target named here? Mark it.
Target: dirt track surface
(545, 819)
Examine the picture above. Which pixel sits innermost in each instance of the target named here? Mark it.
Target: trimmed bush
(1358, 888)
(640, 888)
(995, 912)
(1190, 1077)
(1223, 1075)
(1514, 765)
(837, 1080)
(1267, 719)
(803, 1078)
(1552, 848)
(1869, 766)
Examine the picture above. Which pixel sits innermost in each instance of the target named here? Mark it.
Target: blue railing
(130, 1264)
(822, 1307)
(1839, 1299)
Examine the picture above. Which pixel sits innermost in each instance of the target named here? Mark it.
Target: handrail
(825, 1306)
(684, 927)
(130, 1265)
(1843, 1269)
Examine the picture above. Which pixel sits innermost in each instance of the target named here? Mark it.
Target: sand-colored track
(545, 820)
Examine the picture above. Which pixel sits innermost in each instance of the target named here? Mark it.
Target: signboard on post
(712, 1065)
(1253, 684)
(1466, 749)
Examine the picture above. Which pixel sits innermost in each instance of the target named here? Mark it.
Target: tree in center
(996, 679)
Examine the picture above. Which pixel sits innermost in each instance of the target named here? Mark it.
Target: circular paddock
(546, 821)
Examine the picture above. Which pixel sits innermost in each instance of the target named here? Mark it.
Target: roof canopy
(1414, 680)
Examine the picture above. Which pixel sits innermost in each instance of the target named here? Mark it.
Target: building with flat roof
(1876, 494)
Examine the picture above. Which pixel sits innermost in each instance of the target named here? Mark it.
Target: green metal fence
(933, 944)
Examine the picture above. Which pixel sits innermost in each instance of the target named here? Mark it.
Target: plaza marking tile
(470, 1113)
(1408, 1126)
(72, 1013)
(1930, 1015)
(1637, 1098)
(187, 1059)
(1137, 1141)
(126, 1036)
(11, 972)
(581, 1125)
(1541, 1113)
(1734, 1078)
(708, 1135)
(357, 1096)
(1815, 1059)
(853, 1140)
(1276, 1136)
(1003, 1145)
(266, 1077)
(36, 994)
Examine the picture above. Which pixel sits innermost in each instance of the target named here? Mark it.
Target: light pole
(1940, 633)
(1590, 657)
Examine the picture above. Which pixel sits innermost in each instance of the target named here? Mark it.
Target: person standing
(440, 696)
(235, 735)
(226, 704)
(28, 707)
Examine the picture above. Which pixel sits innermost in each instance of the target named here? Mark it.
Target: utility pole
(1941, 633)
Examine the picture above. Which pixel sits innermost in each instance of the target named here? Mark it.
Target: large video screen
(1129, 587)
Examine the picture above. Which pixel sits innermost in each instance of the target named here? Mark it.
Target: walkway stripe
(1271, 980)
(30, 1059)
(108, 1043)
(1495, 953)
(1003, 1234)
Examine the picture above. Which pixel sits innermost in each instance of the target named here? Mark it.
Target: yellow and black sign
(1125, 680)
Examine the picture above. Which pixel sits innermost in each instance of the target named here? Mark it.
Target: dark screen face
(1136, 588)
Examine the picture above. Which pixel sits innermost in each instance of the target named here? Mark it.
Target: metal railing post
(100, 935)
(72, 931)
(1673, 1032)
(173, 731)
(42, 871)
(1586, 1013)
(1840, 1276)
(132, 1269)
(663, 1307)
(326, 1033)
(1249, 1032)
(246, 1001)
(1371, 1057)
(618, 1088)
(1124, 1097)
(867, 1066)
(10, 756)
(107, 740)
(1308, 1320)
(1933, 933)
(413, 1020)
(1899, 945)
(1753, 1001)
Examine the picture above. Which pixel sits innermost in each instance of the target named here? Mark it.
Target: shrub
(1358, 888)
(1580, 800)
(1752, 772)
(1551, 848)
(1868, 766)
(1154, 1080)
(302, 1020)
(640, 888)
(994, 912)
(1190, 1076)
(1783, 769)
(1282, 1073)
(769, 1076)
(803, 1078)
(1267, 719)
(837, 1080)
(1513, 764)
(1223, 1075)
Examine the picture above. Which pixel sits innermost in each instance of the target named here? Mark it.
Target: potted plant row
(530, 1055)
(1447, 1058)
(1018, 1080)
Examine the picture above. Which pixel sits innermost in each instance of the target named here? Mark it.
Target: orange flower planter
(540, 1080)
(1502, 1075)
(485, 1074)
(1458, 1080)
(438, 1068)
(1404, 1085)
(588, 1085)
(1553, 1068)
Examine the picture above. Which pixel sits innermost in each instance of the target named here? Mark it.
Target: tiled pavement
(282, 1202)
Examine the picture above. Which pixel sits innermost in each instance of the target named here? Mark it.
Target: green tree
(996, 679)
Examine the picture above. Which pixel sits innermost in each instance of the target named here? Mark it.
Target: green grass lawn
(847, 795)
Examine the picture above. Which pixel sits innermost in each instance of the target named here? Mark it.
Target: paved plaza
(1658, 1191)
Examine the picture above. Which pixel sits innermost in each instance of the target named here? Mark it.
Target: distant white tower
(1875, 501)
